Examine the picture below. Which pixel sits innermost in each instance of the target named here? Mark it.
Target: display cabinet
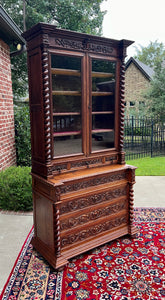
(82, 188)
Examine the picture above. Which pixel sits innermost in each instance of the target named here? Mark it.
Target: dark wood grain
(85, 199)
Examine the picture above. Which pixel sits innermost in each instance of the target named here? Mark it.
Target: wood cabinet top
(85, 173)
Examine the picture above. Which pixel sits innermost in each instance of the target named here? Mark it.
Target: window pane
(103, 104)
(66, 97)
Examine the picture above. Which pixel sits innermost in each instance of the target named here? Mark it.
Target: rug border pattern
(58, 291)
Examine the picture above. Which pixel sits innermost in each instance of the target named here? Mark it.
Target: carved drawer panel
(94, 229)
(88, 181)
(91, 213)
(92, 198)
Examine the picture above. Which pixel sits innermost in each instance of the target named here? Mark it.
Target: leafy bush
(137, 131)
(22, 135)
(16, 189)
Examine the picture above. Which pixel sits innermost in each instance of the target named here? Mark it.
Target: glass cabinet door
(103, 104)
(66, 98)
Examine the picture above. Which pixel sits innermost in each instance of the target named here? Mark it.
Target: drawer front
(93, 229)
(87, 182)
(87, 217)
(92, 199)
(72, 220)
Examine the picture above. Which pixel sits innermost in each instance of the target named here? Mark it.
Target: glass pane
(66, 97)
(65, 103)
(103, 104)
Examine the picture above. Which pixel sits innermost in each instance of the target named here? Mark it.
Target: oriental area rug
(127, 268)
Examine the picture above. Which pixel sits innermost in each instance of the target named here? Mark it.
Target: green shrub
(22, 135)
(16, 189)
(137, 131)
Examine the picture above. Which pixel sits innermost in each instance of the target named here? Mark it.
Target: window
(66, 98)
(72, 115)
(103, 104)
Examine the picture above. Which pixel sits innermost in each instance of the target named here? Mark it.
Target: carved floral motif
(83, 163)
(93, 230)
(91, 182)
(93, 215)
(83, 45)
(91, 200)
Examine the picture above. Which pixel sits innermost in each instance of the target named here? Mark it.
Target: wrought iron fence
(144, 137)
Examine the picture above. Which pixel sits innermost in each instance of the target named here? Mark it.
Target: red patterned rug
(123, 269)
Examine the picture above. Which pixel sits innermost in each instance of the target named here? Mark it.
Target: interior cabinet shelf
(102, 94)
(68, 72)
(77, 93)
(102, 130)
(66, 114)
(66, 133)
(102, 74)
(66, 93)
(102, 112)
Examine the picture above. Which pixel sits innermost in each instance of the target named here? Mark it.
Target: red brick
(7, 134)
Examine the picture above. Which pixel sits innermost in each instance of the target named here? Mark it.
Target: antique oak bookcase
(82, 188)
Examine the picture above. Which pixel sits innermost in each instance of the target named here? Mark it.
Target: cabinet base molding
(49, 255)
(63, 259)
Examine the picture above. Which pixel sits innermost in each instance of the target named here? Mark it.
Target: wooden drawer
(91, 213)
(92, 196)
(94, 228)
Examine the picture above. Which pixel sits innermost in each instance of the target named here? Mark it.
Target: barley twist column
(131, 205)
(46, 99)
(57, 232)
(131, 180)
(121, 117)
(57, 223)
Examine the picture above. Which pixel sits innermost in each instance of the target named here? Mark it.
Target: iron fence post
(152, 134)
(132, 127)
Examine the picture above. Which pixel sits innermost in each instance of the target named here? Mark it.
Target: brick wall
(135, 85)
(7, 134)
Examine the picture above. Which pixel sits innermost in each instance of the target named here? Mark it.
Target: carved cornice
(84, 45)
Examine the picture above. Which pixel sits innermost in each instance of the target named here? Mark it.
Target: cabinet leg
(133, 230)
